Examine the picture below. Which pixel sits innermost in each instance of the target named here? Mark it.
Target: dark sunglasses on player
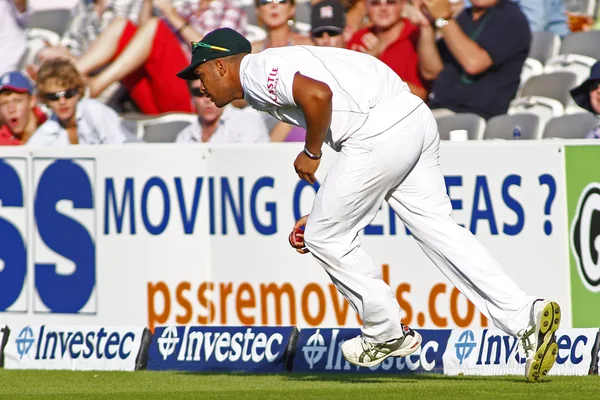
(67, 94)
(263, 2)
(320, 34)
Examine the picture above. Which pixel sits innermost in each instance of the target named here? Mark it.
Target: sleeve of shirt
(269, 79)
(106, 122)
(254, 127)
(515, 39)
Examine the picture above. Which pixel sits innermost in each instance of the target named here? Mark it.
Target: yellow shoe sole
(547, 349)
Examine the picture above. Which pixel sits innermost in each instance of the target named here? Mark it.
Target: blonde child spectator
(74, 120)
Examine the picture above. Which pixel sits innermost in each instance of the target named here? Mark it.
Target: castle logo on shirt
(272, 81)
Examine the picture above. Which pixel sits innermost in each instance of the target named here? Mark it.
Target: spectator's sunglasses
(380, 2)
(196, 92)
(593, 86)
(67, 94)
(320, 34)
(263, 2)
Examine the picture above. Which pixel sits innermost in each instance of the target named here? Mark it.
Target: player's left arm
(315, 99)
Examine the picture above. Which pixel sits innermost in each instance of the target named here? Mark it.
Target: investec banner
(319, 350)
(154, 235)
(195, 348)
(491, 352)
(76, 348)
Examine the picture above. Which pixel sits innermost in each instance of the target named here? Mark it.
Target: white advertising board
(166, 234)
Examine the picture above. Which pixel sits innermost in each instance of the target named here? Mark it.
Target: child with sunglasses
(74, 120)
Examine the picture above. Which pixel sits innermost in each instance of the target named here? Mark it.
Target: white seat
(574, 109)
(544, 107)
(574, 126)
(544, 45)
(502, 127)
(472, 123)
(164, 128)
(531, 67)
(578, 64)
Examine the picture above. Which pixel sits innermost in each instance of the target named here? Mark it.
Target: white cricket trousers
(402, 167)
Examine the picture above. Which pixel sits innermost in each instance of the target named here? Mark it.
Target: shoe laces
(526, 341)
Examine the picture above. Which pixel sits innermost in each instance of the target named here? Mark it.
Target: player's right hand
(296, 237)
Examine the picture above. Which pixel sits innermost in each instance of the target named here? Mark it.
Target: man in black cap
(328, 21)
(388, 145)
(587, 96)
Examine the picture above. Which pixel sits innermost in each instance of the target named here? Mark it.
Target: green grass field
(16, 385)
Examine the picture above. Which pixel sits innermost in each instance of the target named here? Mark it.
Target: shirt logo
(272, 82)
(326, 12)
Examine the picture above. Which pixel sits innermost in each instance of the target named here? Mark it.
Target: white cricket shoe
(539, 340)
(366, 354)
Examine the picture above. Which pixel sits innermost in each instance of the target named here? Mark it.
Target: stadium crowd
(109, 68)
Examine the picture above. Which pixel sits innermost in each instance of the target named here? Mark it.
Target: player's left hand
(438, 8)
(306, 167)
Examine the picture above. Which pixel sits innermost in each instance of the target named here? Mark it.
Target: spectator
(393, 39)
(477, 63)
(18, 108)
(74, 120)
(147, 58)
(546, 16)
(13, 40)
(327, 27)
(328, 24)
(222, 125)
(587, 96)
(274, 16)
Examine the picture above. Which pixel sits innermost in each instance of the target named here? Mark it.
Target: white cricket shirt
(367, 94)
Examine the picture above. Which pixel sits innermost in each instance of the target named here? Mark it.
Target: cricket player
(388, 146)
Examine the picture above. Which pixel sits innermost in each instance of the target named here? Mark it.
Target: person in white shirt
(222, 125)
(388, 145)
(13, 39)
(74, 120)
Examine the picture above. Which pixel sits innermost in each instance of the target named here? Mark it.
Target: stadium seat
(543, 107)
(578, 64)
(164, 128)
(532, 67)
(555, 86)
(502, 126)
(472, 123)
(55, 20)
(584, 43)
(574, 109)
(574, 126)
(544, 45)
